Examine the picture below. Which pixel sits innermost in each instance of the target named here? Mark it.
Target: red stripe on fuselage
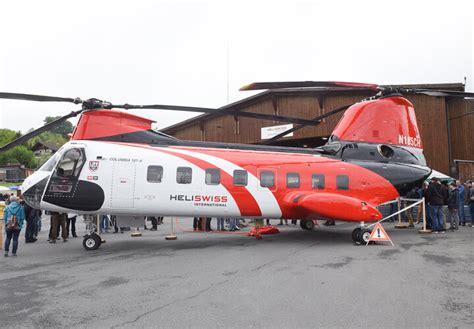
(363, 183)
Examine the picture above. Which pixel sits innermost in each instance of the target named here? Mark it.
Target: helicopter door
(123, 185)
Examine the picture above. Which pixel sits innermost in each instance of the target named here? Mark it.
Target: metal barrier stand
(417, 202)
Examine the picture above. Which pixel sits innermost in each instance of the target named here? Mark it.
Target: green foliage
(19, 154)
(48, 137)
(23, 154)
(6, 136)
(63, 129)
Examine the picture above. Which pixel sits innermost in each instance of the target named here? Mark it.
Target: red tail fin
(103, 123)
(389, 120)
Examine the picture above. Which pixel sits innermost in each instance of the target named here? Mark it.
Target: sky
(199, 53)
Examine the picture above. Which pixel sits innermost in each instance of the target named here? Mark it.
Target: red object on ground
(263, 230)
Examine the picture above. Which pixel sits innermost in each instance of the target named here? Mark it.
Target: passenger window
(317, 181)
(213, 176)
(184, 175)
(292, 180)
(154, 174)
(267, 179)
(342, 182)
(240, 177)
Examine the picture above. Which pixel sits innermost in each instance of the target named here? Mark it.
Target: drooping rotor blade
(298, 127)
(305, 84)
(38, 131)
(39, 98)
(441, 93)
(220, 111)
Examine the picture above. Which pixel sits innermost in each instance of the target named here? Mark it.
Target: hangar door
(123, 185)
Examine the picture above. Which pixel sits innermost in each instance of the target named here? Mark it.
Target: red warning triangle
(379, 234)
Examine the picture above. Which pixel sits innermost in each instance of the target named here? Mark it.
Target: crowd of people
(18, 214)
(445, 203)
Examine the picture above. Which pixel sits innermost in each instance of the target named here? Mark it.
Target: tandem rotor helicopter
(115, 163)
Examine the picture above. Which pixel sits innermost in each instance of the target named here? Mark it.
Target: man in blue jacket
(14, 208)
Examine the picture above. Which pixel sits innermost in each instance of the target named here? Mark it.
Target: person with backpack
(13, 216)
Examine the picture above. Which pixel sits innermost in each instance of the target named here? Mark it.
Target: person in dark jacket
(31, 218)
(462, 196)
(453, 205)
(470, 200)
(14, 208)
(58, 220)
(436, 196)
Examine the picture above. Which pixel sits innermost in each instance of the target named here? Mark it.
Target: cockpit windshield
(51, 163)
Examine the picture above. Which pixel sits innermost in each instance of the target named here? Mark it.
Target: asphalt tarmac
(295, 279)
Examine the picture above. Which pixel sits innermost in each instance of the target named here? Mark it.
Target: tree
(19, 154)
(48, 137)
(63, 129)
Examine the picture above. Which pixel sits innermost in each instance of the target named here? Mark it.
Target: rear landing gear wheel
(355, 235)
(364, 235)
(307, 225)
(91, 242)
(361, 235)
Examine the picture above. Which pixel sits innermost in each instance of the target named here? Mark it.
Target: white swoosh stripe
(264, 197)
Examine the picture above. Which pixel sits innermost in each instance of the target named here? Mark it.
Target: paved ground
(296, 279)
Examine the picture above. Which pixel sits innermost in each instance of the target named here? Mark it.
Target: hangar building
(446, 124)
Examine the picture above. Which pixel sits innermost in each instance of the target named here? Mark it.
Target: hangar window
(292, 180)
(317, 181)
(213, 176)
(267, 179)
(342, 182)
(184, 175)
(240, 177)
(154, 174)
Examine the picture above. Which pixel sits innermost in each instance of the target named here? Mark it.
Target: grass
(9, 184)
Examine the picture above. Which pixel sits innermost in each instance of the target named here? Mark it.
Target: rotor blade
(222, 111)
(298, 127)
(39, 98)
(442, 93)
(303, 84)
(38, 131)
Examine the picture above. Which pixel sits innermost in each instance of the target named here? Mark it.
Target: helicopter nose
(33, 188)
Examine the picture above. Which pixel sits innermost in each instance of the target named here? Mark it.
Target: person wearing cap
(14, 208)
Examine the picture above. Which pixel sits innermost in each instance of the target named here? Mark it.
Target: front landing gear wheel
(91, 242)
(307, 225)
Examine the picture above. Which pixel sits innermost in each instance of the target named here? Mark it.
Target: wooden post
(400, 224)
(2, 231)
(424, 230)
(171, 236)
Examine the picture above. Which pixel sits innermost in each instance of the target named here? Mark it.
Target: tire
(91, 242)
(307, 225)
(355, 235)
(364, 236)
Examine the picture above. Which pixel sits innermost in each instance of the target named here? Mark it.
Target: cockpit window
(71, 163)
(51, 163)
